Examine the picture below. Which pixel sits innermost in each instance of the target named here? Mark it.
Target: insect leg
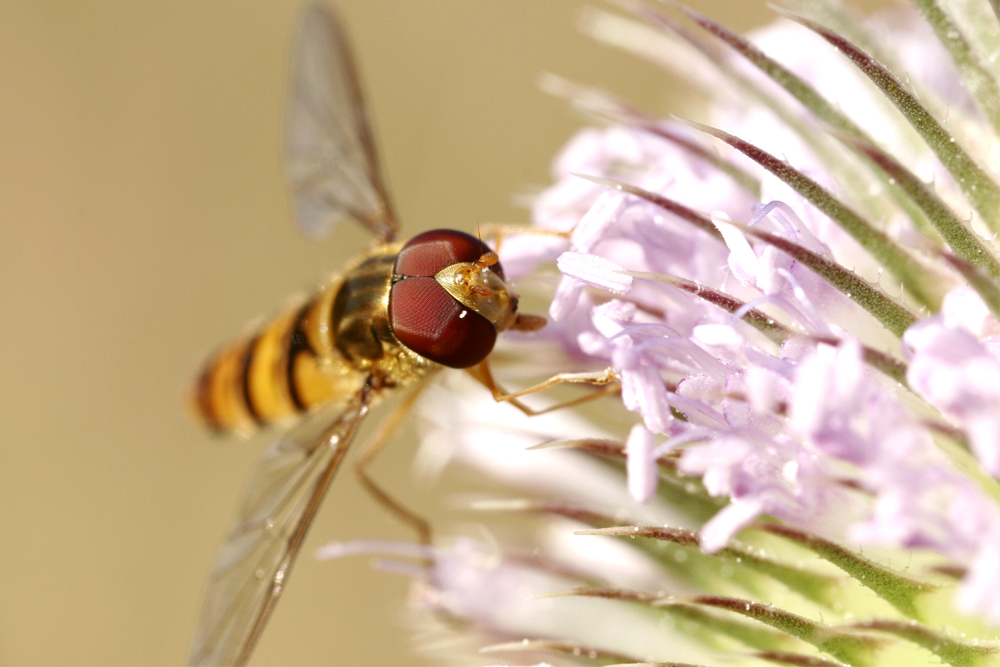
(607, 381)
(373, 447)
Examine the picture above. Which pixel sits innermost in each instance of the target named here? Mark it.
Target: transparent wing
(330, 153)
(280, 501)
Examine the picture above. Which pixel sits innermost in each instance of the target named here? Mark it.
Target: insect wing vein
(331, 159)
(279, 502)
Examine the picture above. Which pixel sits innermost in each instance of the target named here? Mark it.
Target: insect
(390, 319)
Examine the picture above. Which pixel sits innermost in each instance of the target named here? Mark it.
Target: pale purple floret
(595, 271)
(843, 457)
(801, 426)
(959, 373)
(809, 433)
(640, 449)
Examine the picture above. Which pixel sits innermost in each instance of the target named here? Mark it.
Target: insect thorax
(360, 321)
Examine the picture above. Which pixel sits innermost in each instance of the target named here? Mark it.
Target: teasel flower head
(793, 296)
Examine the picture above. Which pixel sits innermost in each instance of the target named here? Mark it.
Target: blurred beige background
(143, 221)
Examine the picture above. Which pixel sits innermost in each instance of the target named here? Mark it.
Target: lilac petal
(595, 271)
(641, 464)
(604, 212)
(764, 389)
(643, 391)
(794, 228)
(963, 307)
(521, 254)
(825, 386)
(612, 317)
(953, 371)
(333, 550)
(722, 527)
(586, 151)
(718, 335)
(979, 590)
(565, 299)
(742, 259)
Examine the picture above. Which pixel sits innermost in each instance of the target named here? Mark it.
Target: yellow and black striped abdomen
(317, 353)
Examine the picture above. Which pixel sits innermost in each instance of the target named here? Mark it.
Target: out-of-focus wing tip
(331, 161)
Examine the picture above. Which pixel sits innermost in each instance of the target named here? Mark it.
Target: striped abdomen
(317, 353)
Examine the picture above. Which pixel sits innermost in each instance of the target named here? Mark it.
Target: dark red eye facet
(433, 324)
(428, 253)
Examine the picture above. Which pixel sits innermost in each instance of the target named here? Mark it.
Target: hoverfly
(390, 319)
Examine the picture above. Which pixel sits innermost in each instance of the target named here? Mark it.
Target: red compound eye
(428, 253)
(433, 324)
(424, 317)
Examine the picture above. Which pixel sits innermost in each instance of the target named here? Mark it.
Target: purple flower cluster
(802, 329)
(806, 431)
